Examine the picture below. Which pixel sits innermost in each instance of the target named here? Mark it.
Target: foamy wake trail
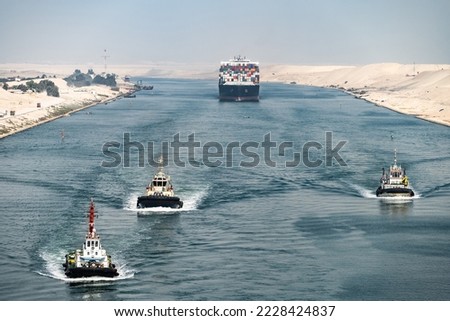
(130, 204)
(364, 192)
(53, 268)
(191, 201)
(416, 194)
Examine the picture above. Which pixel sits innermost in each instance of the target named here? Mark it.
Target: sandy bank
(419, 90)
(20, 111)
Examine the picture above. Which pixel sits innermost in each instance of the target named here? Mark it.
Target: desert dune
(419, 90)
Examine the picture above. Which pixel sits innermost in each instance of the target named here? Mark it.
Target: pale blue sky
(207, 31)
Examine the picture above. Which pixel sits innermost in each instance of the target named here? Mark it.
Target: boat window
(96, 243)
(88, 243)
(164, 183)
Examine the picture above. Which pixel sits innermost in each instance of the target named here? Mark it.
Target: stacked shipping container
(239, 70)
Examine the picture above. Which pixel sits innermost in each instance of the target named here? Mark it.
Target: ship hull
(239, 92)
(159, 201)
(394, 192)
(85, 272)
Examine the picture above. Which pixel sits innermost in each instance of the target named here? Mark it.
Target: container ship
(239, 80)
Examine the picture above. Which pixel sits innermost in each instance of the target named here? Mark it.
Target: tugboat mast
(160, 164)
(91, 229)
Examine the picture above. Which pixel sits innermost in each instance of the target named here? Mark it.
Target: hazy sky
(208, 31)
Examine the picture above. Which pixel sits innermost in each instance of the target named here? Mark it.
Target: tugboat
(92, 260)
(160, 192)
(395, 183)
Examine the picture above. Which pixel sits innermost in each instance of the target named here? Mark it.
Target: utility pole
(105, 56)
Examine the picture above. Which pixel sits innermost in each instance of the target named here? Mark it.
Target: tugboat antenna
(160, 163)
(395, 156)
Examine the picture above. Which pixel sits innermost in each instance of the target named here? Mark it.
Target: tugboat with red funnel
(160, 193)
(394, 183)
(92, 260)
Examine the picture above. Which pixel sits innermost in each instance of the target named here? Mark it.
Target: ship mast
(91, 230)
(160, 164)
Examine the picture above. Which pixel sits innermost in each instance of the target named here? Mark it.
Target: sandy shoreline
(419, 90)
(21, 111)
